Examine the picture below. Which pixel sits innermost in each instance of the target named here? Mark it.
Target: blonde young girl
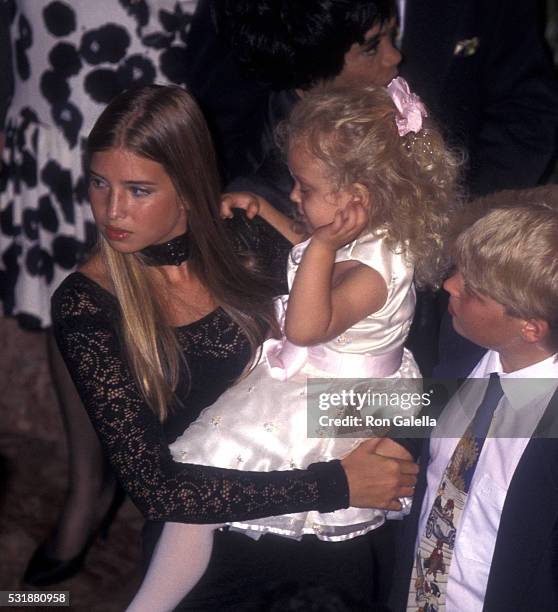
(374, 186)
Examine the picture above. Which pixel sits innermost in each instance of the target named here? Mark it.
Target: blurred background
(33, 479)
(33, 464)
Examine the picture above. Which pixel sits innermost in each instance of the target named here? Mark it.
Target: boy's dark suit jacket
(524, 570)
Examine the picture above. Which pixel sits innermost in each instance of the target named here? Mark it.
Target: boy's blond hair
(511, 255)
(477, 208)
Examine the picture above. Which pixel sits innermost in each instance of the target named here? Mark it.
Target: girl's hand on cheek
(347, 225)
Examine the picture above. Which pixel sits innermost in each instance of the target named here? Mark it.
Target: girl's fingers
(346, 225)
(252, 210)
(354, 218)
(226, 207)
(338, 222)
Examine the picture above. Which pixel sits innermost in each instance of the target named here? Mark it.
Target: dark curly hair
(296, 43)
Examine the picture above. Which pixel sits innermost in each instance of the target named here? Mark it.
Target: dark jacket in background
(497, 97)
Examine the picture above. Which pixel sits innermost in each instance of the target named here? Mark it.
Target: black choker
(171, 253)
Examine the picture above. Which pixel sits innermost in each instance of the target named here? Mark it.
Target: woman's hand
(390, 448)
(377, 481)
(240, 199)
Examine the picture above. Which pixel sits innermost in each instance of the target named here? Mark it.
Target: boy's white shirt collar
(547, 368)
(522, 388)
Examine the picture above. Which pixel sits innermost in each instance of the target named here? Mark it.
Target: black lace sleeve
(135, 441)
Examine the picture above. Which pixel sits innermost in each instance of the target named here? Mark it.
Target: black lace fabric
(85, 323)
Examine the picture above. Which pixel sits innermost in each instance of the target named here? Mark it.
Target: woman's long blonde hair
(165, 125)
(413, 180)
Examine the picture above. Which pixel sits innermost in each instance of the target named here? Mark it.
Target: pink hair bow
(409, 105)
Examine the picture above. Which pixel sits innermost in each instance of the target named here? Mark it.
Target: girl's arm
(327, 298)
(256, 205)
(134, 441)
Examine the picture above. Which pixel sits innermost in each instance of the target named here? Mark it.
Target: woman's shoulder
(94, 269)
(83, 294)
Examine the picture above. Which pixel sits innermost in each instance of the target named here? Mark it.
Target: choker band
(171, 253)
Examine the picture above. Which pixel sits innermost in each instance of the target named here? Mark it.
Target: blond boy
(501, 552)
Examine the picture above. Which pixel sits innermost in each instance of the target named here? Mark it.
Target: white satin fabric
(386, 329)
(260, 424)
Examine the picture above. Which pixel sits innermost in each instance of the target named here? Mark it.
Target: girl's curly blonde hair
(413, 180)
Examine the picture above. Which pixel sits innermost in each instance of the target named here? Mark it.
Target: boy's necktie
(431, 567)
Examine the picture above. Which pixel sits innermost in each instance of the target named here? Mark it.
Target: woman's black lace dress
(85, 322)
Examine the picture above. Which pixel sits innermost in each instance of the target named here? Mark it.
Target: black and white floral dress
(71, 57)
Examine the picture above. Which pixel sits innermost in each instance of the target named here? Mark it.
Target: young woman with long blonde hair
(162, 320)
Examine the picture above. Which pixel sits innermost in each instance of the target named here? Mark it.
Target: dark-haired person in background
(286, 48)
